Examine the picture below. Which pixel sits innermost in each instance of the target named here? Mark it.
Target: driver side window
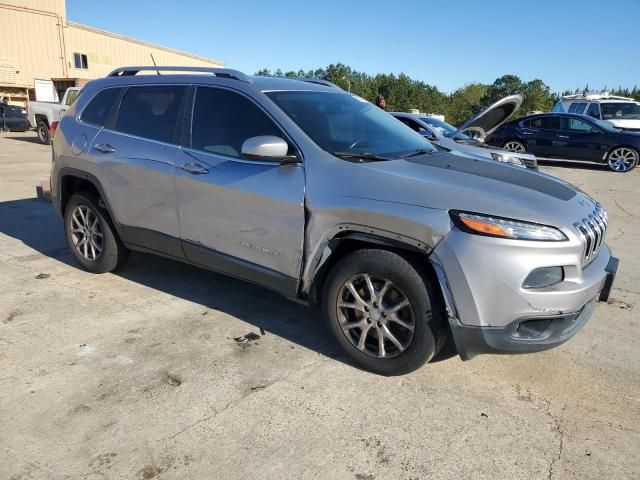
(223, 120)
(579, 126)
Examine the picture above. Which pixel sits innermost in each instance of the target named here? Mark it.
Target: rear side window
(223, 120)
(547, 123)
(150, 112)
(98, 109)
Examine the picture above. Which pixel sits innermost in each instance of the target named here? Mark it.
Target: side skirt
(149, 241)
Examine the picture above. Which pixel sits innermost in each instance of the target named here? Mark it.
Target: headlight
(501, 157)
(505, 228)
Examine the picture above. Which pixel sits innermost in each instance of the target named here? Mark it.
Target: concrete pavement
(170, 372)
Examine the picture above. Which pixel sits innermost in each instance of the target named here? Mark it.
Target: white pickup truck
(42, 114)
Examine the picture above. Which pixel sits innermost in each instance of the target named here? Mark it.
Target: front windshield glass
(339, 122)
(444, 128)
(620, 111)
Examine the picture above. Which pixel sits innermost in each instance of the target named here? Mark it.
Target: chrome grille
(593, 229)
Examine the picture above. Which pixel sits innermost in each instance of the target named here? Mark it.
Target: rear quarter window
(98, 109)
(150, 112)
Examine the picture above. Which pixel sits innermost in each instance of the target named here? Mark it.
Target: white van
(622, 112)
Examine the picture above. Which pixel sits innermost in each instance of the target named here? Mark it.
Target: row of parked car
(596, 128)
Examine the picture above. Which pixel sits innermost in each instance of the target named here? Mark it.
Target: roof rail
(595, 96)
(318, 81)
(218, 72)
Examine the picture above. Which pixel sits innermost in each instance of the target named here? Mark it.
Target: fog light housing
(544, 277)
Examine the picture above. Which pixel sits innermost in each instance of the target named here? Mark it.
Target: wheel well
(512, 139)
(71, 184)
(40, 117)
(345, 245)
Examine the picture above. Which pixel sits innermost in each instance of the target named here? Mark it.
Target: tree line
(403, 93)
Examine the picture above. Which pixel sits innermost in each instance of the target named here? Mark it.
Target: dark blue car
(570, 136)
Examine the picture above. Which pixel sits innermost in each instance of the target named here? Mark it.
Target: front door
(239, 216)
(580, 140)
(136, 156)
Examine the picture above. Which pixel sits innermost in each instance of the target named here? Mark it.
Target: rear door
(539, 134)
(579, 140)
(239, 216)
(135, 154)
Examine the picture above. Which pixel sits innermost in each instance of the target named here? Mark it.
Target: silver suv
(306, 189)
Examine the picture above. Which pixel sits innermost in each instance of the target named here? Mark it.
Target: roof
(186, 75)
(141, 42)
(596, 97)
(292, 83)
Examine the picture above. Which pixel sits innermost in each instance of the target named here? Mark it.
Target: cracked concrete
(138, 374)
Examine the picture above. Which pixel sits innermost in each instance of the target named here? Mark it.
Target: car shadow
(34, 223)
(547, 162)
(29, 139)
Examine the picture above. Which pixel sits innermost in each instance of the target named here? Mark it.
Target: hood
(450, 182)
(624, 123)
(492, 117)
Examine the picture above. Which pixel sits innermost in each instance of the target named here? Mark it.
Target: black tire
(113, 254)
(42, 129)
(411, 279)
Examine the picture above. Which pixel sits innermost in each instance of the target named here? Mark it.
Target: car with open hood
(315, 193)
(459, 139)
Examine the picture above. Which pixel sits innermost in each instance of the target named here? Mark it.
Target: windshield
(444, 128)
(339, 122)
(620, 111)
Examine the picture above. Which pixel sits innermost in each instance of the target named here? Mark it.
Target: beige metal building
(38, 45)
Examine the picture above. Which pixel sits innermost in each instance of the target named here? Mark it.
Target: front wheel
(42, 130)
(622, 159)
(514, 146)
(91, 235)
(383, 311)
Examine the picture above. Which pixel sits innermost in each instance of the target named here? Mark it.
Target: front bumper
(489, 310)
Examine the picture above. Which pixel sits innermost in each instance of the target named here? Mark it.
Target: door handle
(527, 133)
(104, 148)
(194, 168)
(563, 136)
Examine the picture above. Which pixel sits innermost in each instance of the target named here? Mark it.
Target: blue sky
(566, 43)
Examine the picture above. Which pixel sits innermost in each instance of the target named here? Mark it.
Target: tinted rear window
(549, 123)
(150, 112)
(98, 109)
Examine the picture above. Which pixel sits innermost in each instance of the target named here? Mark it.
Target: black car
(570, 136)
(13, 118)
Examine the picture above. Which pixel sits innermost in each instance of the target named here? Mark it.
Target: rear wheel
(622, 159)
(514, 146)
(91, 235)
(43, 132)
(383, 311)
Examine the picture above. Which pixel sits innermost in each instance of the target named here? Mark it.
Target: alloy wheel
(514, 146)
(86, 233)
(375, 315)
(622, 159)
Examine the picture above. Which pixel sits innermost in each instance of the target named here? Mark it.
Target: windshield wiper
(363, 155)
(415, 153)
